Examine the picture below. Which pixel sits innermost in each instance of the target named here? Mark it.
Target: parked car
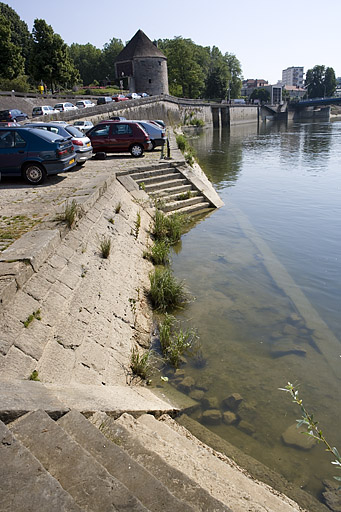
(119, 97)
(102, 100)
(33, 153)
(157, 134)
(9, 123)
(119, 137)
(143, 94)
(118, 118)
(64, 107)
(79, 140)
(13, 115)
(83, 125)
(133, 96)
(84, 104)
(159, 122)
(44, 110)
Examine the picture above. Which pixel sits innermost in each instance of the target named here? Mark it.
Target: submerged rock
(210, 402)
(296, 437)
(230, 418)
(232, 402)
(246, 427)
(211, 417)
(197, 394)
(332, 495)
(187, 384)
(286, 346)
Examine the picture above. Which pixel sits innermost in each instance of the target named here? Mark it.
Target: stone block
(296, 437)
(232, 402)
(8, 290)
(34, 246)
(211, 417)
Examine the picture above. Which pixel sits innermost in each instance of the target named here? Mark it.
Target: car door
(13, 151)
(100, 137)
(121, 136)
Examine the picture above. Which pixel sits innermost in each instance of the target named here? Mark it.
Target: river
(265, 271)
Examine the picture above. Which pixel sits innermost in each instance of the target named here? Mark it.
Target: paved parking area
(23, 206)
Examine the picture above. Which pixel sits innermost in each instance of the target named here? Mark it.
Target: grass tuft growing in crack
(166, 292)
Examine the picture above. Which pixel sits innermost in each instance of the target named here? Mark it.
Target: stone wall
(151, 75)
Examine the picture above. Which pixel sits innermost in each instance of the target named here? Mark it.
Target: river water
(265, 271)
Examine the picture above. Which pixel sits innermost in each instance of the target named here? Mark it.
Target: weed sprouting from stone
(35, 315)
(112, 220)
(142, 186)
(118, 207)
(168, 228)
(105, 247)
(137, 225)
(166, 292)
(159, 253)
(71, 213)
(175, 343)
(34, 376)
(140, 365)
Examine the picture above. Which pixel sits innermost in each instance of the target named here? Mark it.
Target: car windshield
(74, 131)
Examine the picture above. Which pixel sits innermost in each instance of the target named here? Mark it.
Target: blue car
(34, 154)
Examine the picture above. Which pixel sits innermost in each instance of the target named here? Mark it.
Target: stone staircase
(103, 464)
(170, 188)
(72, 465)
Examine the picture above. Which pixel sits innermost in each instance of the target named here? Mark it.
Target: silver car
(156, 133)
(80, 141)
(83, 125)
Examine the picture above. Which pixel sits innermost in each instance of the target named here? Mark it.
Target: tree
(320, 82)
(109, 54)
(219, 76)
(260, 94)
(87, 59)
(235, 69)
(186, 73)
(51, 62)
(19, 34)
(330, 82)
(11, 60)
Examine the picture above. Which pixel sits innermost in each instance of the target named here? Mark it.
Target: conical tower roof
(139, 46)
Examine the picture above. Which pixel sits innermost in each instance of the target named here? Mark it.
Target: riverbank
(87, 312)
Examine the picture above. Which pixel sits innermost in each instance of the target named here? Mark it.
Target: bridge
(314, 102)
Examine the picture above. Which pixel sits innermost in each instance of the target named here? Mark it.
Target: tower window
(150, 80)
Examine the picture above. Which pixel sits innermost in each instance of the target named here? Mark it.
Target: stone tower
(144, 65)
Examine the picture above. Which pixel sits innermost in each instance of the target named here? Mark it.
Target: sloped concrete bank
(73, 317)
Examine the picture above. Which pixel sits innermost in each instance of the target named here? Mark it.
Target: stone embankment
(70, 318)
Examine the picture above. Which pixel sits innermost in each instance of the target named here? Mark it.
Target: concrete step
(180, 196)
(207, 466)
(142, 484)
(158, 178)
(166, 184)
(180, 189)
(194, 208)
(88, 482)
(125, 433)
(25, 485)
(182, 203)
(153, 172)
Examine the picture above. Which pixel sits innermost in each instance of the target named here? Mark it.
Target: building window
(150, 80)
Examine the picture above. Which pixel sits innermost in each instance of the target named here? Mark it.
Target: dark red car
(119, 137)
(119, 97)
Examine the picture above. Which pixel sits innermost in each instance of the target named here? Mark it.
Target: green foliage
(71, 213)
(35, 315)
(87, 59)
(20, 35)
(11, 60)
(320, 82)
(181, 142)
(166, 292)
(18, 84)
(137, 225)
(140, 365)
(34, 376)
(196, 122)
(105, 247)
(260, 94)
(312, 429)
(175, 342)
(50, 58)
(118, 207)
(186, 148)
(159, 253)
(168, 228)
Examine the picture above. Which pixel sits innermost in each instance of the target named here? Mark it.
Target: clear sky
(265, 35)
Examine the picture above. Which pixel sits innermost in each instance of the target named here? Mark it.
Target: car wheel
(101, 155)
(34, 174)
(153, 145)
(136, 150)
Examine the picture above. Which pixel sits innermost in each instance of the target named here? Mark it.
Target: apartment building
(293, 76)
